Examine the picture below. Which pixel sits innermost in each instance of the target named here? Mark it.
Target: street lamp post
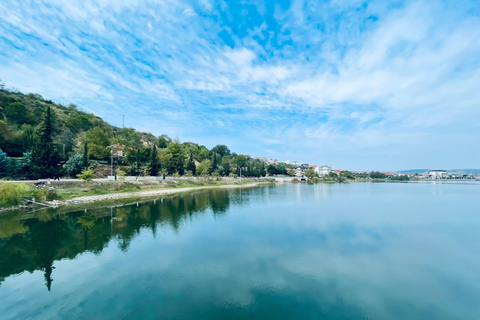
(111, 160)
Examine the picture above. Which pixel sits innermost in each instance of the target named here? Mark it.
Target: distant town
(325, 170)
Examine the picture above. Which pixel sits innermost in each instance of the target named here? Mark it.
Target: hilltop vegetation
(43, 139)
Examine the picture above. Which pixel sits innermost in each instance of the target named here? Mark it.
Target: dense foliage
(43, 139)
(377, 175)
(4, 164)
(74, 165)
(401, 177)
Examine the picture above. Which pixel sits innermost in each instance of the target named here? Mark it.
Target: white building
(323, 170)
(437, 174)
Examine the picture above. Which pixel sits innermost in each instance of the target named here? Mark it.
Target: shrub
(74, 165)
(164, 173)
(44, 194)
(24, 165)
(87, 174)
(12, 193)
(4, 164)
(121, 174)
(216, 175)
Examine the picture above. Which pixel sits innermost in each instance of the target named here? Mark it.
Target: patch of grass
(70, 190)
(12, 193)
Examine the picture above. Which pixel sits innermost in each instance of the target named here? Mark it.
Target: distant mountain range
(453, 171)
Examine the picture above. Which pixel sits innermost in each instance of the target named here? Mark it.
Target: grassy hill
(76, 132)
(21, 115)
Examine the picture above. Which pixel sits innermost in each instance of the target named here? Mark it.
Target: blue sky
(361, 85)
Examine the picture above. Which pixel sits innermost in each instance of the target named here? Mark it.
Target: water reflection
(66, 236)
(340, 251)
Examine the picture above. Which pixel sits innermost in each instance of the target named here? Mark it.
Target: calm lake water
(293, 251)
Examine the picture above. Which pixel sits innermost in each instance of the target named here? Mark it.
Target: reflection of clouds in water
(343, 251)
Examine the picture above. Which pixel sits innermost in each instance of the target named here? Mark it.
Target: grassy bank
(11, 194)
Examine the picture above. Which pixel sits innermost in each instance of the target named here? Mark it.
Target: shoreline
(145, 194)
(128, 195)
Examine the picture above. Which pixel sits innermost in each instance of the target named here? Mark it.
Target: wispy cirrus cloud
(359, 84)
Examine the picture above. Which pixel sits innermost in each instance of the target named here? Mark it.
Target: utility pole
(123, 120)
(111, 160)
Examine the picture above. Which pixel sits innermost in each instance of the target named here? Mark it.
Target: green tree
(45, 158)
(24, 166)
(331, 176)
(164, 173)
(154, 162)
(215, 163)
(191, 164)
(65, 140)
(377, 175)
(202, 153)
(87, 174)
(163, 141)
(28, 136)
(241, 162)
(401, 177)
(85, 162)
(204, 167)
(4, 164)
(74, 165)
(176, 158)
(347, 175)
(78, 121)
(17, 112)
(221, 149)
(226, 166)
(310, 174)
(98, 140)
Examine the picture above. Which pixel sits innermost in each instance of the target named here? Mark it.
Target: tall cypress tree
(191, 165)
(85, 156)
(45, 159)
(154, 162)
(214, 162)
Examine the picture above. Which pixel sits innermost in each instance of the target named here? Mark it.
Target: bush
(400, 178)
(43, 194)
(74, 165)
(87, 174)
(216, 175)
(377, 175)
(4, 164)
(121, 174)
(12, 193)
(24, 165)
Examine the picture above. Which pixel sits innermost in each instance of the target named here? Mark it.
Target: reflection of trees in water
(68, 235)
(46, 239)
(87, 222)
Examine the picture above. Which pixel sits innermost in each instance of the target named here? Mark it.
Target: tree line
(40, 139)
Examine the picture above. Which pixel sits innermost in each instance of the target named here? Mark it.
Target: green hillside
(43, 139)
(21, 115)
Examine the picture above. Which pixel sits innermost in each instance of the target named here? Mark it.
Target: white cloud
(313, 74)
